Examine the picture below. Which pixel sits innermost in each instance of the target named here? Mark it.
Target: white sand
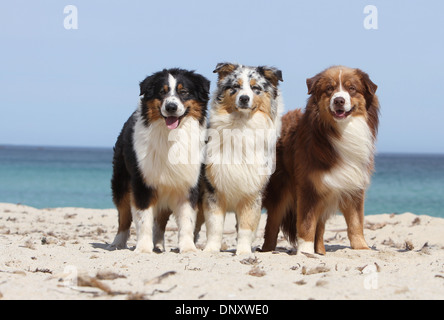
(41, 250)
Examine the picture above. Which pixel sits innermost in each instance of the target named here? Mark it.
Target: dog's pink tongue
(172, 122)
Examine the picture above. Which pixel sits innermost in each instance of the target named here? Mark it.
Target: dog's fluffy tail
(288, 226)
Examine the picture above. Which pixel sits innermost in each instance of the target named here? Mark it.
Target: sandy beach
(62, 254)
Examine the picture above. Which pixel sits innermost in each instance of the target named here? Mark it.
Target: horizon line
(43, 146)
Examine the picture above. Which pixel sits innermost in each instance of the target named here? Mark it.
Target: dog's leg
(248, 216)
(306, 222)
(143, 220)
(200, 220)
(353, 211)
(214, 220)
(274, 219)
(125, 219)
(186, 221)
(160, 221)
(275, 214)
(319, 239)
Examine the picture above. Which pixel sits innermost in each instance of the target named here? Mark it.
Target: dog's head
(340, 93)
(174, 94)
(247, 89)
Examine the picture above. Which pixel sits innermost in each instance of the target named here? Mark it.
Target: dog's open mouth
(172, 122)
(340, 113)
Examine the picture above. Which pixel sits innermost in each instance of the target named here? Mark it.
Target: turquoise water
(407, 183)
(45, 177)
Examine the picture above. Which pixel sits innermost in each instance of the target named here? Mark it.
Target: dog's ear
(370, 87)
(147, 87)
(203, 89)
(312, 82)
(271, 74)
(224, 69)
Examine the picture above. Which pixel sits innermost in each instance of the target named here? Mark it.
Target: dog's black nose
(339, 102)
(244, 99)
(171, 107)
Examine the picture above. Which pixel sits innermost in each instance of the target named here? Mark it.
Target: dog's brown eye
(256, 89)
(352, 89)
(234, 89)
(184, 93)
(330, 89)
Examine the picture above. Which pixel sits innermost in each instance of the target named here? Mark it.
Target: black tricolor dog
(149, 182)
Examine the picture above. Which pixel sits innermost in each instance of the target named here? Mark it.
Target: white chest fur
(240, 153)
(169, 158)
(355, 149)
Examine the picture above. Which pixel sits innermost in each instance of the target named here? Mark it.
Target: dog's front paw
(244, 251)
(212, 248)
(188, 247)
(119, 242)
(305, 247)
(143, 247)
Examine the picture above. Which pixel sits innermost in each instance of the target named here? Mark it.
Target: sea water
(45, 177)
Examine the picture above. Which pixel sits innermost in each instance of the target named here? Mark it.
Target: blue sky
(77, 87)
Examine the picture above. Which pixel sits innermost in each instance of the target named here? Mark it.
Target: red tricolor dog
(325, 159)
